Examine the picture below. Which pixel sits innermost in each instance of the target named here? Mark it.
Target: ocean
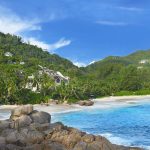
(128, 125)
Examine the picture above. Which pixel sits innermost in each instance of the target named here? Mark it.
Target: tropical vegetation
(129, 75)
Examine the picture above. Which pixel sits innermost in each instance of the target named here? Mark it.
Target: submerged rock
(31, 130)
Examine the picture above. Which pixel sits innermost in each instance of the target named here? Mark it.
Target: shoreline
(101, 103)
(29, 129)
(127, 98)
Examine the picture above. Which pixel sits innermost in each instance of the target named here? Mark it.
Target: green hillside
(23, 62)
(31, 55)
(19, 68)
(123, 75)
(139, 59)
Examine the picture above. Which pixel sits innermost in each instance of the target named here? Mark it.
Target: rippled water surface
(126, 125)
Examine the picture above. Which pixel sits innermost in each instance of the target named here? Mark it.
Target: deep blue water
(126, 125)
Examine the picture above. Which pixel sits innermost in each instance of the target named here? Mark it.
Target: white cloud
(34, 41)
(61, 43)
(13, 24)
(79, 64)
(82, 64)
(111, 23)
(135, 9)
(45, 46)
(92, 62)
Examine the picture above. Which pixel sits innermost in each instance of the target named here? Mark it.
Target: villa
(8, 54)
(35, 86)
(57, 76)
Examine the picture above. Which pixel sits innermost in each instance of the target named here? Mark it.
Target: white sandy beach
(125, 98)
(101, 103)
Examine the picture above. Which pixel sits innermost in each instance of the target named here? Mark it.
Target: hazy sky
(80, 30)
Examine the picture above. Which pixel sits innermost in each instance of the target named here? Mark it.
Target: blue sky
(81, 30)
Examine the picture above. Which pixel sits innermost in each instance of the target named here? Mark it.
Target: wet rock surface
(32, 130)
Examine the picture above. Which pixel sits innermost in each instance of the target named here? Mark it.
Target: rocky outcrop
(86, 103)
(32, 130)
(40, 117)
(22, 110)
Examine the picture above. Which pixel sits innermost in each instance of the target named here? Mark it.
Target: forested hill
(20, 75)
(31, 55)
(126, 75)
(137, 58)
(140, 60)
(21, 79)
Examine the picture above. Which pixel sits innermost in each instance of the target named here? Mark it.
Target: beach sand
(101, 103)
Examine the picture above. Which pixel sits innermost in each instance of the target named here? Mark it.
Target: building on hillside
(140, 67)
(22, 63)
(35, 86)
(57, 76)
(31, 77)
(8, 54)
(144, 61)
(32, 84)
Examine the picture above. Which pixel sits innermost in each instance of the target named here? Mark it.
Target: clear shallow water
(126, 125)
(4, 114)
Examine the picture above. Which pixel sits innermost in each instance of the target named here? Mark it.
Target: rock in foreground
(31, 130)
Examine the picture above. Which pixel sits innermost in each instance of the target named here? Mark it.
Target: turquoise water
(126, 125)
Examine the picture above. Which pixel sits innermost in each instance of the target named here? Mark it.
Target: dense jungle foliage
(129, 75)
